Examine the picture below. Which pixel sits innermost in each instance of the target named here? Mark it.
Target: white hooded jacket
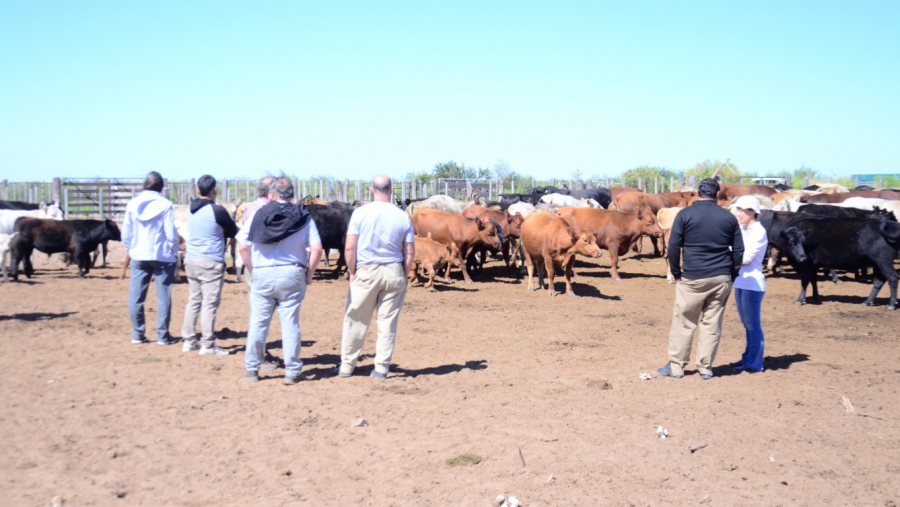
(148, 230)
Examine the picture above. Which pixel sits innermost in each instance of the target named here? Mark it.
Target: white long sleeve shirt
(751, 276)
(148, 229)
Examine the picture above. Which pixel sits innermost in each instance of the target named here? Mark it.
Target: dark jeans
(141, 271)
(749, 305)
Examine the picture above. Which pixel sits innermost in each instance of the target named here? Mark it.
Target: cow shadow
(445, 369)
(275, 345)
(770, 363)
(589, 291)
(34, 317)
(26, 281)
(325, 364)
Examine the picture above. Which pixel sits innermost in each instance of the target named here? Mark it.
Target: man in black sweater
(713, 250)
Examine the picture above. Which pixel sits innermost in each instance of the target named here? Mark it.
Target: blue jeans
(283, 287)
(141, 271)
(749, 305)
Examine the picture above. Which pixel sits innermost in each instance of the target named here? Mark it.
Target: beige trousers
(380, 288)
(699, 305)
(205, 279)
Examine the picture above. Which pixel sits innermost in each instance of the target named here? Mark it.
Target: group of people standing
(721, 251)
(280, 246)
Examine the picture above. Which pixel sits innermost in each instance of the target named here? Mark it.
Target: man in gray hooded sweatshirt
(204, 262)
(149, 235)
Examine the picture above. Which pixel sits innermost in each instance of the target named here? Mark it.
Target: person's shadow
(770, 363)
(477, 365)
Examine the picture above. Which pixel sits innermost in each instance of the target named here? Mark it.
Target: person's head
(708, 189)
(747, 209)
(382, 188)
(154, 181)
(262, 189)
(206, 185)
(282, 188)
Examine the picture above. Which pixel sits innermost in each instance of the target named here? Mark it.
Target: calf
(77, 238)
(614, 230)
(465, 233)
(631, 202)
(844, 243)
(433, 256)
(547, 240)
(666, 218)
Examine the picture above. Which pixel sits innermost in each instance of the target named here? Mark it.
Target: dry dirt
(545, 390)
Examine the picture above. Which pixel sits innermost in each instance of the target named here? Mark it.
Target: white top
(290, 250)
(148, 229)
(382, 229)
(751, 276)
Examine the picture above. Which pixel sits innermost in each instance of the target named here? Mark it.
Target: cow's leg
(505, 250)
(638, 245)
(834, 276)
(82, 260)
(462, 268)
(4, 257)
(341, 263)
(613, 249)
(804, 282)
(26, 261)
(529, 264)
(551, 274)
(655, 241)
(569, 274)
(429, 268)
(877, 283)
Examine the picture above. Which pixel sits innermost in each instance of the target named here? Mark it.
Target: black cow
(19, 205)
(332, 224)
(550, 189)
(844, 243)
(507, 200)
(825, 210)
(599, 194)
(76, 238)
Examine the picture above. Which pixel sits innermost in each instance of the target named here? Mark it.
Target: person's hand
(352, 276)
(309, 277)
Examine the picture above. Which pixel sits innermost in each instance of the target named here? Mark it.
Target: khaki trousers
(205, 279)
(380, 288)
(699, 305)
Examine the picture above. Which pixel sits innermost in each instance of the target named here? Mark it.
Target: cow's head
(514, 224)
(793, 242)
(487, 233)
(113, 230)
(584, 243)
(886, 213)
(649, 222)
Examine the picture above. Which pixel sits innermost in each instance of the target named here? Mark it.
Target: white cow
(441, 203)
(8, 217)
(568, 200)
(522, 208)
(5, 240)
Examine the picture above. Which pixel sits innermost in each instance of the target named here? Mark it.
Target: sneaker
(139, 341)
(704, 376)
(666, 371)
(268, 366)
(167, 341)
(190, 346)
(289, 381)
(378, 375)
(251, 376)
(337, 371)
(215, 350)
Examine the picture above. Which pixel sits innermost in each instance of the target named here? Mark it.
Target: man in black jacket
(713, 250)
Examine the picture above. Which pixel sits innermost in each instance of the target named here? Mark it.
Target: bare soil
(546, 391)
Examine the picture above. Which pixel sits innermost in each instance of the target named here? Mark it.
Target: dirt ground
(545, 390)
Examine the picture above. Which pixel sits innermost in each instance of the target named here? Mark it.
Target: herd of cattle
(815, 228)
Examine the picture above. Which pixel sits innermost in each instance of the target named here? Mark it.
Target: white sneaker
(215, 350)
(190, 346)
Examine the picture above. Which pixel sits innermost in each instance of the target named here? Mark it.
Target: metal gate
(99, 198)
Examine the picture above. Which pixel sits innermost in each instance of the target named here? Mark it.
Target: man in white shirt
(149, 235)
(273, 248)
(380, 250)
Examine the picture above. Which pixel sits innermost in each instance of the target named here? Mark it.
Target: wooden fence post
(56, 190)
(66, 206)
(100, 198)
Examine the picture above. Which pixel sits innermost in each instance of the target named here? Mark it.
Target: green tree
(453, 170)
(647, 175)
(804, 172)
(705, 169)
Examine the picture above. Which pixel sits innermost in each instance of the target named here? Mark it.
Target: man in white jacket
(149, 234)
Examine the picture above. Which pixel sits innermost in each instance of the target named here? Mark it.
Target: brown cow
(617, 191)
(548, 239)
(727, 191)
(465, 233)
(181, 248)
(843, 196)
(666, 218)
(614, 230)
(510, 226)
(433, 256)
(631, 203)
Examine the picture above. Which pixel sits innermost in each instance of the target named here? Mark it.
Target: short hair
(384, 187)
(708, 189)
(154, 181)
(262, 189)
(283, 188)
(205, 185)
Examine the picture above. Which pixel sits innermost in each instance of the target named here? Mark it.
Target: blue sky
(356, 88)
